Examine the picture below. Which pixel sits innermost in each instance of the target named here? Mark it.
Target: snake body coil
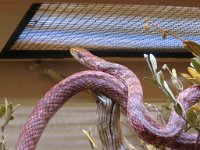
(121, 85)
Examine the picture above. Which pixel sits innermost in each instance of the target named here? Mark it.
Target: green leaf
(152, 81)
(194, 74)
(178, 108)
(165, 113)
(189, 78)
(166, 110)
(168, 105)
(185, 75)
(196, 64)
(198, 121)
(153, 63)
(150, 147)
(9, 108)
(164, 66)
(170, 93)
(192, 114)
(194, 81)
(175, 81)
(146, 57)
(192, 47)
(142, 142)
(160, 77)
(174, 74)
(2, 110)
(56, 76)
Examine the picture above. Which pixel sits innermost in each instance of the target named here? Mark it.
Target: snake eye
(79, 55)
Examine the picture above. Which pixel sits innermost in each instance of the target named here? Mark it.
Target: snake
(122, 86)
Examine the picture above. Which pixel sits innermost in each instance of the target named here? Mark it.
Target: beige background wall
(24, 83)
(20, 85)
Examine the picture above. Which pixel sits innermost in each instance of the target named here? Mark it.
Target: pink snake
(121, 85)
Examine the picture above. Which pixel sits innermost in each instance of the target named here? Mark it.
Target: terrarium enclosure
(41, 33)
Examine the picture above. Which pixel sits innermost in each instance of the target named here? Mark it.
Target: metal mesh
(107, 26)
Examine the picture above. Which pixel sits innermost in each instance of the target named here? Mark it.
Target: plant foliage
(6, 115)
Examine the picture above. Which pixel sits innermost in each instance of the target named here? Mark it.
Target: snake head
(78, 53)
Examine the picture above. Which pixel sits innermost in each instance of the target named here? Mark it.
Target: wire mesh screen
(107, 26)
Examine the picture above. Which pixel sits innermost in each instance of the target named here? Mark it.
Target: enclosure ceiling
(104, 27)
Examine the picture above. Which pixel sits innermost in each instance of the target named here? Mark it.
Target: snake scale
(121, 85)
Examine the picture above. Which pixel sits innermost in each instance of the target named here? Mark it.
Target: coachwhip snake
(121, 85)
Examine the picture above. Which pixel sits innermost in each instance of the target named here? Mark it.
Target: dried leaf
(192, 47)
(91, 139)
(164, 34)
(145, 19)
(56, 76)
(35, 66)
(146, 27)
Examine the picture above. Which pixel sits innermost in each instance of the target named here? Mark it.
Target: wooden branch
(108, 125)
